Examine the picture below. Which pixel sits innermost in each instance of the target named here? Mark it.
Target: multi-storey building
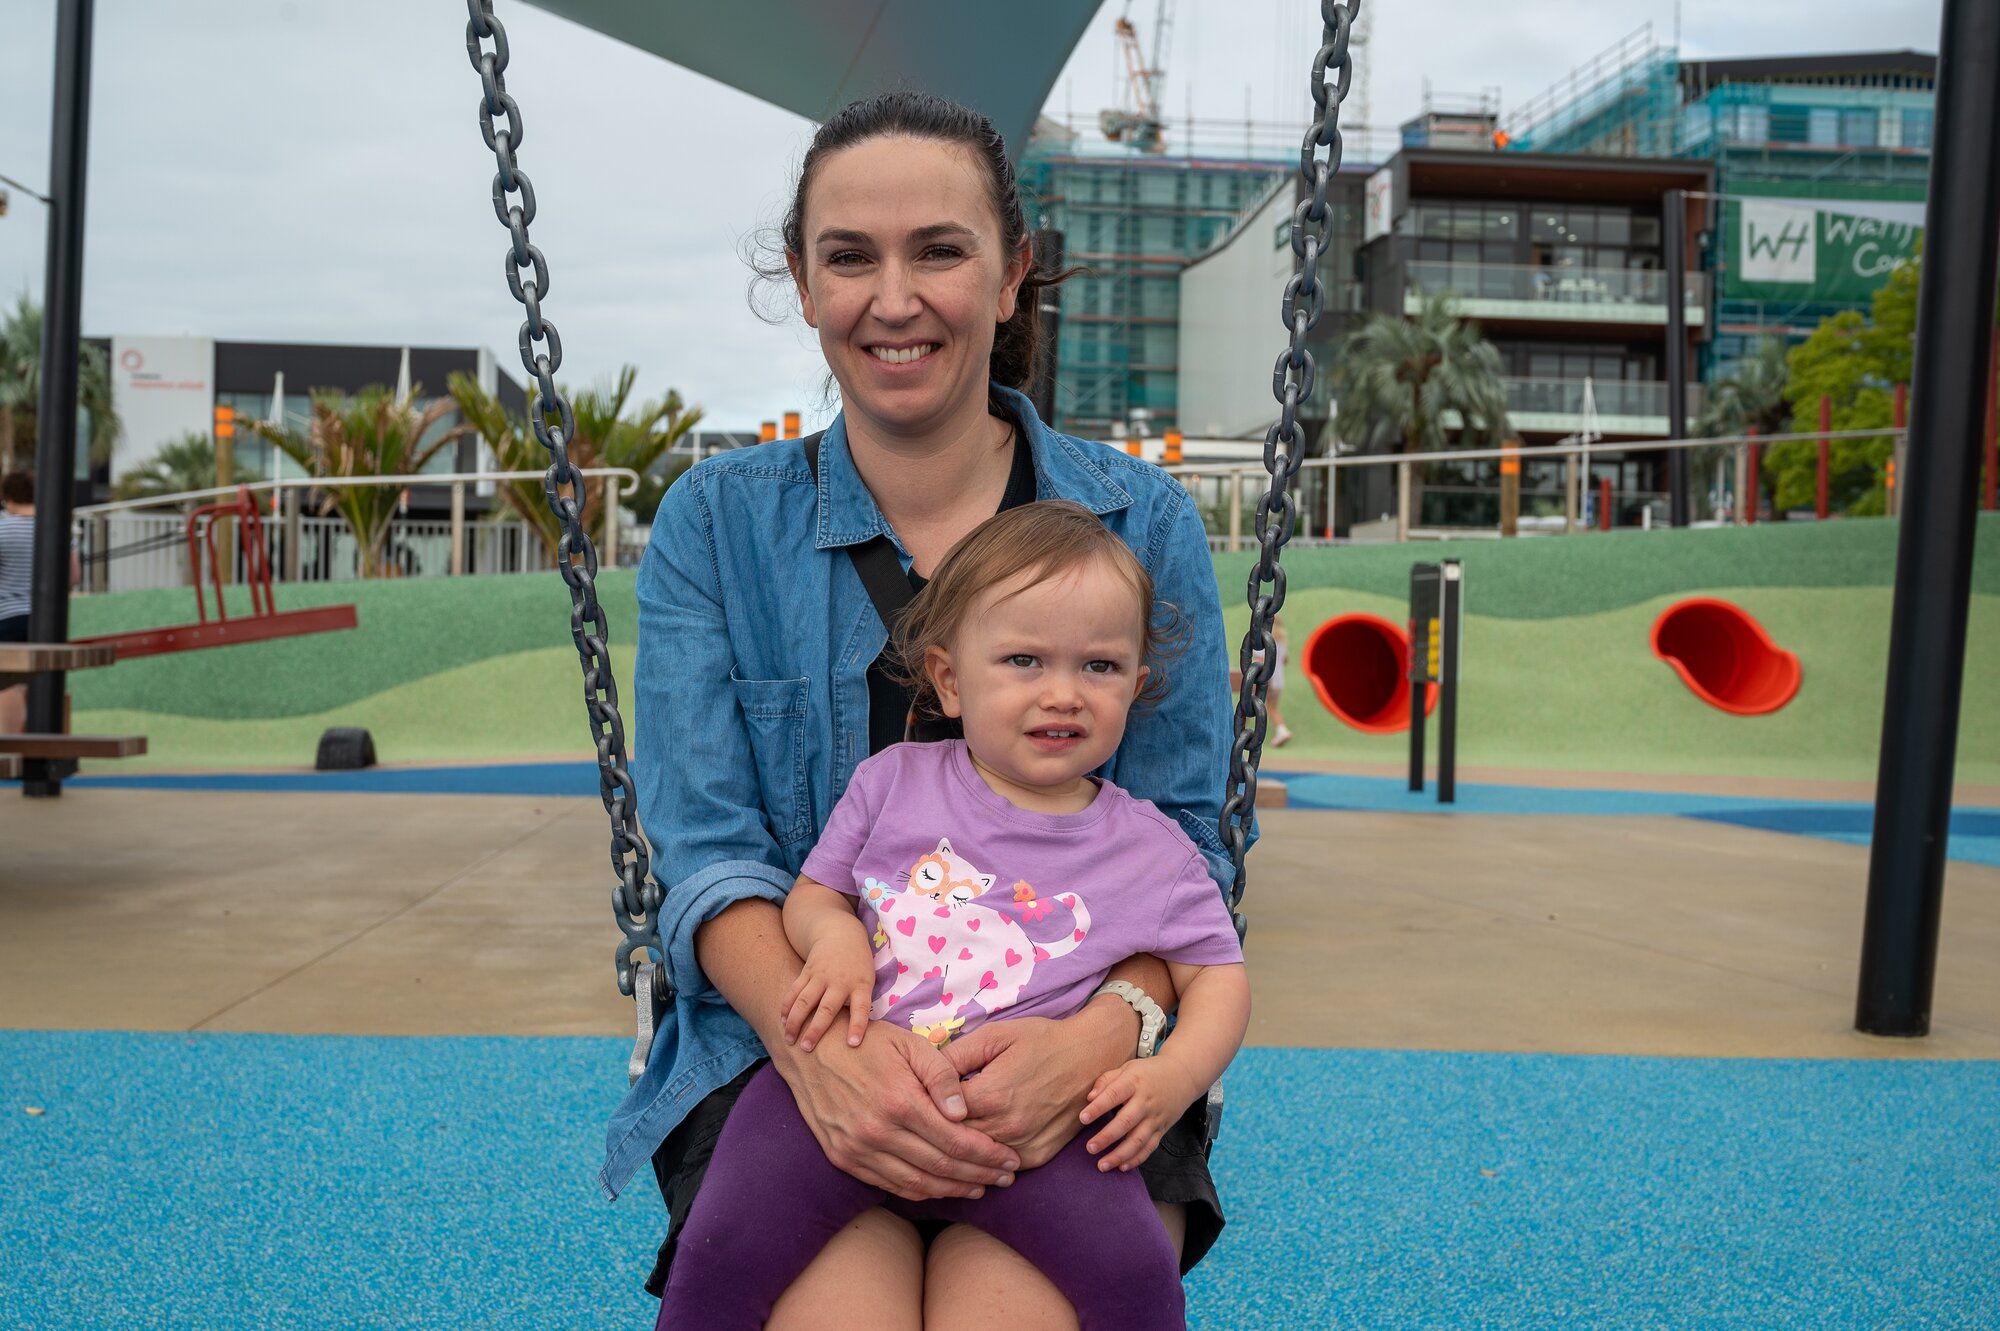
(1820, 166)
(1133, 221)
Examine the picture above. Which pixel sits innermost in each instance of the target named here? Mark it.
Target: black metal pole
(1048, 249)
(55, 421)
(1416, 731)
(1451, 590)
(1674, 237)
(1934, 542)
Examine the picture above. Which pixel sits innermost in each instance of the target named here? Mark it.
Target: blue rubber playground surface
(254, 1181)
(1975, 833)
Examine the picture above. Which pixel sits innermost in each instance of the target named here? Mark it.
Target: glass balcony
(1624, 408)
(1522, 291)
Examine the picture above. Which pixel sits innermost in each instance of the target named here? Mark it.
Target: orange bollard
(767, 431)
(791, 425)
(1604, 504)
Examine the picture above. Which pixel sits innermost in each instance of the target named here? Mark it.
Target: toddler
(980, 879)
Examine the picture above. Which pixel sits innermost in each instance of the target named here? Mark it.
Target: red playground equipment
(1725, 657)
(264, 621)
(1359, 666)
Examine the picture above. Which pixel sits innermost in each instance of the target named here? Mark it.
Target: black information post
(1436, 609)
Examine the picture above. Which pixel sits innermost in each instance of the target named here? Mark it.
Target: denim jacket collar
(848, 514)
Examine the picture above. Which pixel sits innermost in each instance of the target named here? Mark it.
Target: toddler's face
(1043, 674)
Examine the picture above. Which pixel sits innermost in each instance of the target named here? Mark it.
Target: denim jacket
(755, 637)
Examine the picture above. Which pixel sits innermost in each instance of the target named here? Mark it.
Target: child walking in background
(983, 878)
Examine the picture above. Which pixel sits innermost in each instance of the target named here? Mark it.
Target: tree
(370, 433)
(21, 389)
(188, 463)
(604, 438)
(1399, 378)
(1752, 398)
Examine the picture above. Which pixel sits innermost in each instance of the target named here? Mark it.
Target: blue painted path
(226, 1181)
(1975, 833)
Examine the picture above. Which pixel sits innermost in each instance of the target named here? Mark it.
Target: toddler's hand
(834, 977)
(1153, 1093)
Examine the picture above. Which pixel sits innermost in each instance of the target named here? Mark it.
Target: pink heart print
(965, 954)
(907, 925)
(986, 980)
(1013, 957)
(936, 941)
(973, 924)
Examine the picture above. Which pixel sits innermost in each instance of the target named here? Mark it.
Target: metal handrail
(340, 482)
(1534, 452)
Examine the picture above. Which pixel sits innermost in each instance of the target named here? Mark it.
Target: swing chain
(1284, 444)
(636, 899)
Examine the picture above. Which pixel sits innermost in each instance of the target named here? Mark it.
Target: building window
(1917, 129)
(1858, 129)
(1823, 127)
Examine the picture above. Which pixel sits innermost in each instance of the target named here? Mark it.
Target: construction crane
(1142, 125)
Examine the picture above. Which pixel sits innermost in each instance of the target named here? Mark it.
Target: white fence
(139, 550)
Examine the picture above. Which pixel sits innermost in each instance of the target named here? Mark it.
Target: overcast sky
(267, 169)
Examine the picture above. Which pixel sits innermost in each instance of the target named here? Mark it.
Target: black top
(889, 702)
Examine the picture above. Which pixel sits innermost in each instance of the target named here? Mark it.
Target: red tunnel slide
(1359, 666)
(1725, 656)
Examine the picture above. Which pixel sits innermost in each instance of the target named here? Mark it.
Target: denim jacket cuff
(701, 897)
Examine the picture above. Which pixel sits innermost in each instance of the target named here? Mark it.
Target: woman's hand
(886, 1113)
(1035, 1075)
(837, 974)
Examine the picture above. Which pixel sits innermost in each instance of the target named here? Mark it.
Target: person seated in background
(17, 567)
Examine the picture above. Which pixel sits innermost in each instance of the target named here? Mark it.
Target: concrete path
(442, 914)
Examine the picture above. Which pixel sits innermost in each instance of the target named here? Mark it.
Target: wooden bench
(21, 661)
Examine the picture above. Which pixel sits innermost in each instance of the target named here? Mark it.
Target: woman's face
(905, 274)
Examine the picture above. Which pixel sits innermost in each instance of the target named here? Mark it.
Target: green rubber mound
(406, 631)
(1586, 692)
(1551, 577)
(1557, 670)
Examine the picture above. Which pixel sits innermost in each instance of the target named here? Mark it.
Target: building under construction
(1821, 164)
(1133, 220)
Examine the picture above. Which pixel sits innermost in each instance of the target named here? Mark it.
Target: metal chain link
(636, 898)
(1284, 444)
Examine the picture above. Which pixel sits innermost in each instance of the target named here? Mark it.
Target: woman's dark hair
(1017, 344)
(17, 487)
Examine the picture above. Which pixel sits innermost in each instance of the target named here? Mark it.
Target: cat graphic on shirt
(951, 943)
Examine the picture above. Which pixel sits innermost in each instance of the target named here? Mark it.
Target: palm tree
(370, 433)
(188, 463)
(1401, 377)
(1753, 398)
(20, 388)
(604, 438)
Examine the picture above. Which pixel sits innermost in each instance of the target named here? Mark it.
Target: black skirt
(1176, 1174)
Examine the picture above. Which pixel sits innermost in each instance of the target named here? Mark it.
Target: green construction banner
(1803, 250)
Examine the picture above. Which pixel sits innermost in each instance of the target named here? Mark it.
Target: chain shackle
(1284, 444)
(635, 902)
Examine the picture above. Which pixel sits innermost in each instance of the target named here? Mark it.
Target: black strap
(875, 559)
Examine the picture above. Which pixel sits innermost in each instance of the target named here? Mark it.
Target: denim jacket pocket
(774, 712)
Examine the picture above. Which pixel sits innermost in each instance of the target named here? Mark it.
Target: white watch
(1151, 1019)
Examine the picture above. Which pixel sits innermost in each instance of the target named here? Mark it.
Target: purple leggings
(771, 1200)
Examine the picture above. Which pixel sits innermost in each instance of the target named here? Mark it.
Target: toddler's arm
(839, 966)
(1151, 1093)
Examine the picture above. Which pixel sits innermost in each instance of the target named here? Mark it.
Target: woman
(760, 689)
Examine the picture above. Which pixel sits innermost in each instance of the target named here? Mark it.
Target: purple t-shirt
(975, 906)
